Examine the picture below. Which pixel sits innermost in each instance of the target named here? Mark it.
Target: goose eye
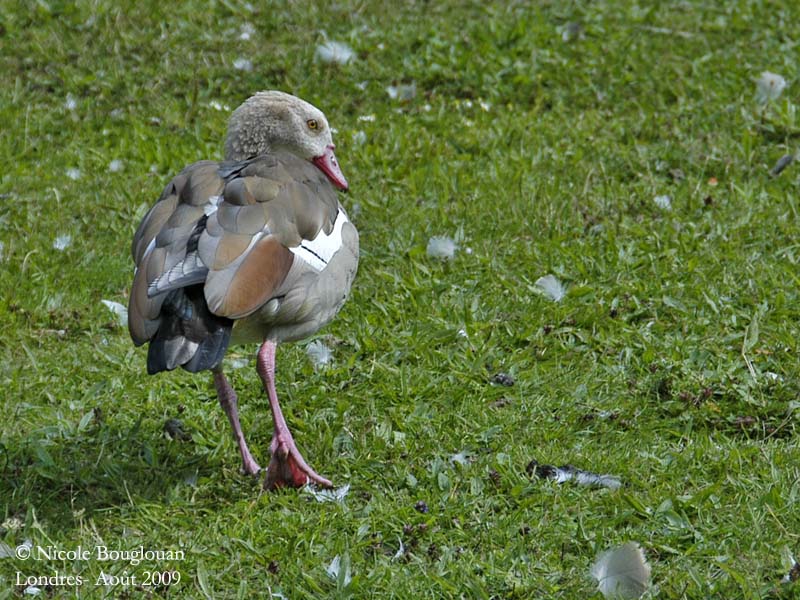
(312, 124)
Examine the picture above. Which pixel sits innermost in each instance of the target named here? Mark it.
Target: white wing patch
(212, 206)
(319, 251)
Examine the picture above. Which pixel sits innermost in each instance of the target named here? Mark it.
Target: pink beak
(327, 164)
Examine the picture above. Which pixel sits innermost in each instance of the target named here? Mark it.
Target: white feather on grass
(116, 165)
(73, 173)
(6, 551)
(622, 572)
(442, 247)
(551, 287)
(663, 202)
(238, 363)
(460, 458)
(120, 310)
(400, 551)
(62, 242)
(246, 31)
(769, 86)
(217, 105)
(319, 353)
(334, 570)
(243, 64)
(564, 474)
(791, 565)
(359, 138)
(570, 473)
(12, 524)
(332, 495)
(335, 52)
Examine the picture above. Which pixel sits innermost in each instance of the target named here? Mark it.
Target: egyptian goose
(255, 248)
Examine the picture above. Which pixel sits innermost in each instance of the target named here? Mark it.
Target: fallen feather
(12, 524)
(174, 429)
(663, 202)
(503, 379)
(243, 64)
(400, 551)
(6, 551)
(115, 166)
(238, 363)
(667, 31)
(217, 105)
(335, 52)
(569, 473)
(769, 87)
(460, 458)
(334, 569)
(622, 572)
(794, 573)
(328, 495)
(32, 590)
(783, 162)
(403, 92)
(120, 310)
(74, 173)
(551, 287)
(367, 118)
(247, 31)
(62, 242)
(441, 247)
(572, 31)
(359, 138)
(319, 354)
(70, 103)
(55, 301)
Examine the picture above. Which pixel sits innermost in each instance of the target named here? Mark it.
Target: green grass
(540, 156)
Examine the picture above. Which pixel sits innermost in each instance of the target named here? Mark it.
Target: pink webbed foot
(287, 468)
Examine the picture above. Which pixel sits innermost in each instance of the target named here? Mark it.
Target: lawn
(617, 146)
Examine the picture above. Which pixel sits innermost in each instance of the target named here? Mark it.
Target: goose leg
(286, 467)
(229, 403)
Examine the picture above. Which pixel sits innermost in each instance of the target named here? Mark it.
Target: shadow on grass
(101, 467)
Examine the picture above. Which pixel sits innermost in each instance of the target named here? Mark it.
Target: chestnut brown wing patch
(249, 282)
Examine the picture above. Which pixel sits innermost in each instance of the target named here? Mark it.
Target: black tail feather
(189, 335)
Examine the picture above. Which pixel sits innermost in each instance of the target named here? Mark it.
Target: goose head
(274, 121)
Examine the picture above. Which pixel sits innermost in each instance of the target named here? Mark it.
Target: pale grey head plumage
(273, 121)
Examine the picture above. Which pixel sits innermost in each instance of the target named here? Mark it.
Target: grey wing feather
(189, 271)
